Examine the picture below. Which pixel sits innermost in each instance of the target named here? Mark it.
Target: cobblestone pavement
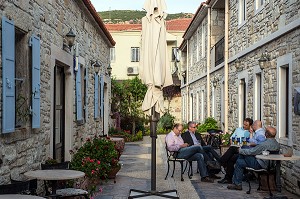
(135, 174)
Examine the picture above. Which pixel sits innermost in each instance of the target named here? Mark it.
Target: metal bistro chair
(17, 188)
(62, 191)
(32, 186)
(171, 157)
(214, 139)
(270, 170)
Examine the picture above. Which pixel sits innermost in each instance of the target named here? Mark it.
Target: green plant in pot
(96, 158)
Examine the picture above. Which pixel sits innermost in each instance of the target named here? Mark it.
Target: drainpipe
(187, 84)
(226, 65)
(208, 60)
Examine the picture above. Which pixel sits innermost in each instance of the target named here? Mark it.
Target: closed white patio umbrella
(155, 73)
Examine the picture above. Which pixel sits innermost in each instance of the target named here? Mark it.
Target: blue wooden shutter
(8, 75)
(86, 93)
(102, 95)
(96, 97)
(78, 93)
(34, 43)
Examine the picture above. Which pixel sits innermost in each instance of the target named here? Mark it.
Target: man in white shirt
(190, 153)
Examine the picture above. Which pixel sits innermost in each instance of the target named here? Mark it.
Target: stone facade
(26, 148)
(270, 30)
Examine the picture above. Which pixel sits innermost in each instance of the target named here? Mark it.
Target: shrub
(209, 123)
(166, 122)
(95, 158)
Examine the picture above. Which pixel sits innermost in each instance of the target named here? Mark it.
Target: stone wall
(26, 148)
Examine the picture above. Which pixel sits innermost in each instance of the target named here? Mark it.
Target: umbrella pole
(154, 119)
(163, 194)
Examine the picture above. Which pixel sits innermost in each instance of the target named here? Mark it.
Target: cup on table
(266, 153)
(244, 141)
(238, 140)
(233, 140)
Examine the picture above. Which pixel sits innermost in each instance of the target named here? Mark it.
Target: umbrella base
(133, 193)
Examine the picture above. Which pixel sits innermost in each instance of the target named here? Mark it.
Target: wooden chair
(171, 157)
(268, 172)
(62, 190)
(16, 188)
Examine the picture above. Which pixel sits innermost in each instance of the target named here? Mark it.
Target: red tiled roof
(123, 27)
(172, 25)
(178, 24)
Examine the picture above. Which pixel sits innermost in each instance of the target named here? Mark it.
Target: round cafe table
(54, 175)
(19, 196)
(278, 158)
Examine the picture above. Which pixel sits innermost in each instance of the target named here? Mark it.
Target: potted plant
(96, 158)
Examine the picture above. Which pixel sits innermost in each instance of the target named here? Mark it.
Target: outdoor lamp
(237, 63)
(70, 38)
(109, 69)
(97, 66)
(262, 62)
(215, 81)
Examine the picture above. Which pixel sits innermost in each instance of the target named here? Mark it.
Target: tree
(127, 98)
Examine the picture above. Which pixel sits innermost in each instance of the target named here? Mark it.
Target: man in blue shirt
(229, 158)
(258, 136)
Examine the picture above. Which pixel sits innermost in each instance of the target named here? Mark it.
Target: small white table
(54, 175)
(19, 196)
(277, 158)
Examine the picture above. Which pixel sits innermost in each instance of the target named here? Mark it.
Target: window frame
(135, 54)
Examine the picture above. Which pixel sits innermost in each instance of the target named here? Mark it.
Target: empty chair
(15, 188)
(32, 186)
(62, 190)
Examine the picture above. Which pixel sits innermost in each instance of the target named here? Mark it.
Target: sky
(173, 6)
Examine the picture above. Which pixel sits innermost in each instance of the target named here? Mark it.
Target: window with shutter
(8, 75)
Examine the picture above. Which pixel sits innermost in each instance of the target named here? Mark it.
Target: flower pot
(113, 172)
(224, 148)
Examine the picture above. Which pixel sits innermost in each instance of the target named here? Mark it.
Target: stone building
(242, 60)
(55, 92)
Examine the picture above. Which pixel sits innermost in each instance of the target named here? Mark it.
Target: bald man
(257, 136)
(247, 158)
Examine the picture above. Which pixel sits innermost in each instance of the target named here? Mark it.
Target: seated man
(247, 158)
(190, 153)
(257, 134)
(229, 158)
(193, 138)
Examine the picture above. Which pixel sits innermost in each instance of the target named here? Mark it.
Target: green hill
(133, 16)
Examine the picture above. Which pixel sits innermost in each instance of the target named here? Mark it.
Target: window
(112, 54)
(135, 54)
(284, 101)
(259, 4)
(203, 40)
(197, 106)
(198, 43)
(242, 101)
(242, 11)
(22, 81)
(257, 96)
(191, 107)
(202, 106)
(213, 101)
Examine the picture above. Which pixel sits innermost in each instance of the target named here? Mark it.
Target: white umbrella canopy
(155, 70)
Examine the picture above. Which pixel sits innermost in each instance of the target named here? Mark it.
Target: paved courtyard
(136, 169)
